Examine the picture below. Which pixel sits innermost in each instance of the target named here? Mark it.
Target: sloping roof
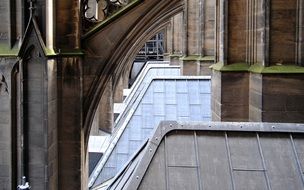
(215, 156)
(151, 69)
(165, 98)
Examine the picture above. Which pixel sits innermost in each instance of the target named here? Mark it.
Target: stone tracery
(3, 85)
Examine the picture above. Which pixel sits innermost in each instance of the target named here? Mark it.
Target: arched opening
(153, 50)
(129, 56)
(251, 76)
(193, 100)
(143, 29)
(118, 65)
(105, 116)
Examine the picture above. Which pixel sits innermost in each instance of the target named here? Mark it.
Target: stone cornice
(197, 58)
(6, 51)
(258, 68)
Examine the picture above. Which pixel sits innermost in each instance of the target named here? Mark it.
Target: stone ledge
(71, 52)
(276, 69)
(63, 52)
(197, 58)
(236, 67)
(6, 51)
(175, 55)
(257, 68)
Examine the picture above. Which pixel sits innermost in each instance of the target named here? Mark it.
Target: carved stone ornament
(105, 9)
(3, 85)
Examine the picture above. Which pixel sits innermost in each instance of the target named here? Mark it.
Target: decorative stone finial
(32, 6)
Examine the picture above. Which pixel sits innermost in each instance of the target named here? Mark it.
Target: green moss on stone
(292, 69)
(258, 68)
(190, 58)
(217, 66)
(207, 58)
(236, 67)
(49, 52)
(197, 58)
(284, 69)
(175, 55)
(6, 51)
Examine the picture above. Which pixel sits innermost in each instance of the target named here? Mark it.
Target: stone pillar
(14, 19)
(118, 91)
(277, 98)
(50, 29)
(168, 41)
(104, 116)
(255, 98)
(6, 162)
(229, 96)
(207, 56)
(283, 43)
(199, 23)
(67, 24)
(71, 156)
(71, 150)
(125, 79)
(105, 110)
(256, 61)
(230, 82)
(175, 45)
(279, 81)
(52, 107)
(30, 112)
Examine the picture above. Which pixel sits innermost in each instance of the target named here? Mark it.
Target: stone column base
(229, 100)
(276, 98)
(175, 60)
(257, 97)
(190, 68)
(204, 69)
(195, 65)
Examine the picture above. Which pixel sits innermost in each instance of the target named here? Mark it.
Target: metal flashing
(129, 128)
(239, 150)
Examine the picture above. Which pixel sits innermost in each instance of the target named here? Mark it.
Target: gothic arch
(144, 28)
(126, 63)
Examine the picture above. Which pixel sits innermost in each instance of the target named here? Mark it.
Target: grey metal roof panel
(148, 110)
(220, 156)
(94, 158)
(151, 70)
